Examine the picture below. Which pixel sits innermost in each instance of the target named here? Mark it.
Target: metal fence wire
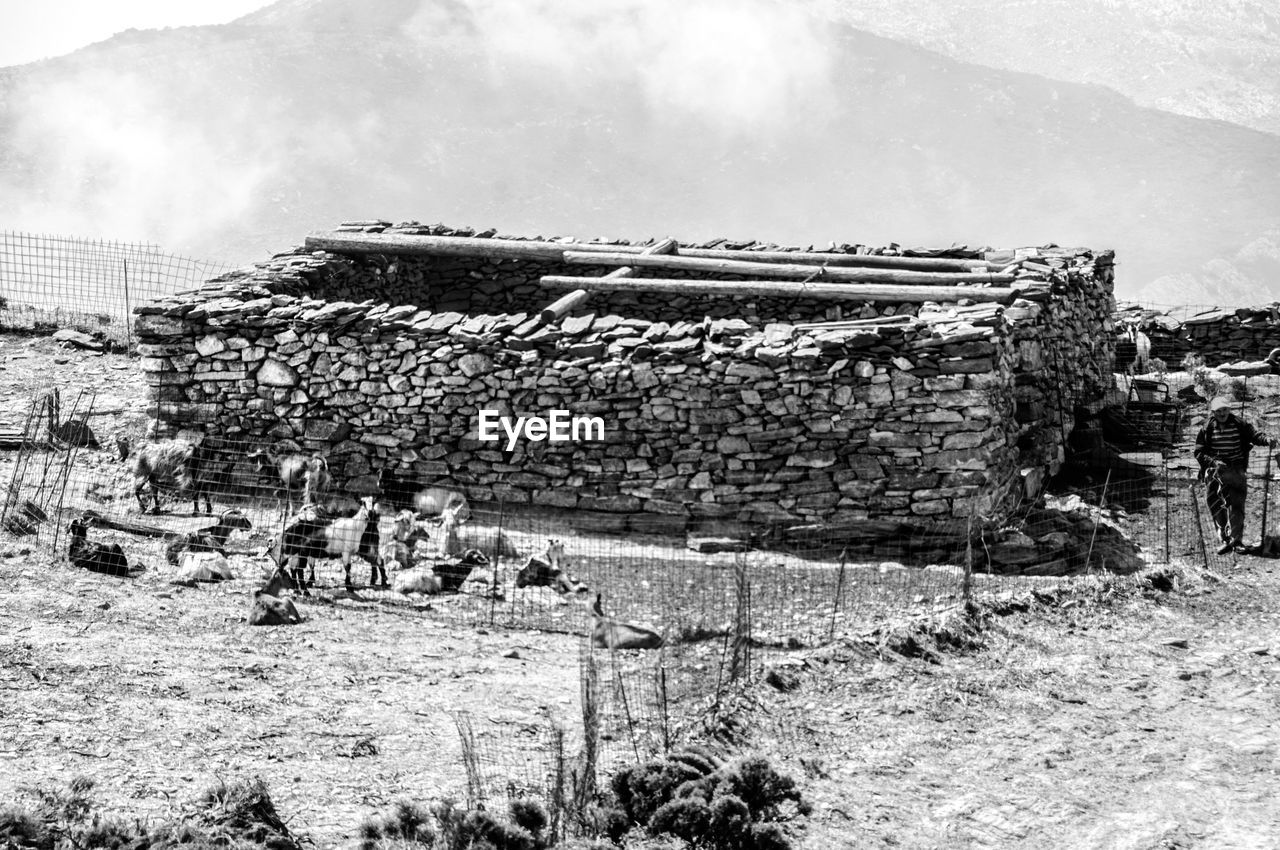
(87, 285)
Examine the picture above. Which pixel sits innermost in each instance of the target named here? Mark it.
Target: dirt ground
(1099, 713)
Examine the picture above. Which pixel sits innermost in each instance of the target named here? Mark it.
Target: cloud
(735, 65)
(127, 162)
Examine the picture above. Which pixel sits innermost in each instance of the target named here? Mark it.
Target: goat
(312, 536)
(307, 475)
(545, 570)
(608, 633)
(176, 461)
(443, 577)
(106, 558)
(396, 540)
(452, 575)
(212, 538)
(195, 567)
(449, 543)
(270, 608)
(428, 501)
(417, 580)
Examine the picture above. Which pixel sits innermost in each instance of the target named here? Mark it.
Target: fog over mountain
(627, 118)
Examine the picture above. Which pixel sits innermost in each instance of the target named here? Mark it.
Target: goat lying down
(106, 558)
(608, 633)
(197, 567)
(547, 570)
(270, 606)
(211, 538)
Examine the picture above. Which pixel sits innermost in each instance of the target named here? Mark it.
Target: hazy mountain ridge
(234, 141)
(1206, 60)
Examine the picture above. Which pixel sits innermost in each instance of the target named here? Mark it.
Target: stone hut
(725, 381)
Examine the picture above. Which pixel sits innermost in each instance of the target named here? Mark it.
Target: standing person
(1223, 447)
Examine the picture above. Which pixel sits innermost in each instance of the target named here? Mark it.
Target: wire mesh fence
(54, 282)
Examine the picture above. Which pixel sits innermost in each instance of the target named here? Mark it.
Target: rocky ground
(1130, 712)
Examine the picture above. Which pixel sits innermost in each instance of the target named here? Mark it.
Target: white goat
(311, 536)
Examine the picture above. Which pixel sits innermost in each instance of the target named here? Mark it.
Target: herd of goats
(387, 528)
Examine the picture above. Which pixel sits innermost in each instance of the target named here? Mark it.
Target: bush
(688, 819)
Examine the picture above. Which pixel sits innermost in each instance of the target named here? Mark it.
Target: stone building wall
(1217, 336)
(750, 409)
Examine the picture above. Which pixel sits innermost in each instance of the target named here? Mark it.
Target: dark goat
(313, 535)
(545, 571)
(107, 558)
(212, 538)
(306, 475)
(403, 493)
(269, 607)
(171, 463)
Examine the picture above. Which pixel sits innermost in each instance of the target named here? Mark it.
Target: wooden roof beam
(891, 293)
(344, 242)
(791, 271)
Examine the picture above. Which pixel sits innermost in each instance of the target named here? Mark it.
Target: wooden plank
(790, 271)
(787, 289)
(531, 249)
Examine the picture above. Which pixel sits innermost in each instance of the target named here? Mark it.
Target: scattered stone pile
(763, 409)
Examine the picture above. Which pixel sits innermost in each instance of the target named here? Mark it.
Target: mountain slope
(745, 120)
(1207, 60)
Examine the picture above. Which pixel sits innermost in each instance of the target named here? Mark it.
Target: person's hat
(1219, 403)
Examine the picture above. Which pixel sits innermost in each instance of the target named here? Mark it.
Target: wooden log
(566, 304)
(866, 292)
(790, 271)
(530, 249)
(95, 518)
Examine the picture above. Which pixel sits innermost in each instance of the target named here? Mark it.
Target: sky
(40, 29)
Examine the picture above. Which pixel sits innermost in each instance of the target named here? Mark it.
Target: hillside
(232, 142)
(1206, 60)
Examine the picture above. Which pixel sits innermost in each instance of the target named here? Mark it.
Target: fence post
(1167, 517)
(1195, 509)
(1102, 501)
(128, 332)
(835, 604)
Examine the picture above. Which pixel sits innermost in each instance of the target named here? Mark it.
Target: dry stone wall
(760, 410)
(1217, 336)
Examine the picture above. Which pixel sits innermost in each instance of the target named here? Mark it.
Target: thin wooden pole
(532, 249)
(787, 289)
(792, 271)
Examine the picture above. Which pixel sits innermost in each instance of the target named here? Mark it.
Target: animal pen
(797, 445)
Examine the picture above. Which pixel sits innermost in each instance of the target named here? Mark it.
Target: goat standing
(176, 461)
(306, 475)
(312, 536)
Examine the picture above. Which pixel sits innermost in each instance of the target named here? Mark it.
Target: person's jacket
(1249, 437)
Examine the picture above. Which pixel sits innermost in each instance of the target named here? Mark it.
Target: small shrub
(481, 828)
(407, 823)
(19, 828)
(528, 814)
(763, 789)
(687, 819)
(767, 836)
(730, 817)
